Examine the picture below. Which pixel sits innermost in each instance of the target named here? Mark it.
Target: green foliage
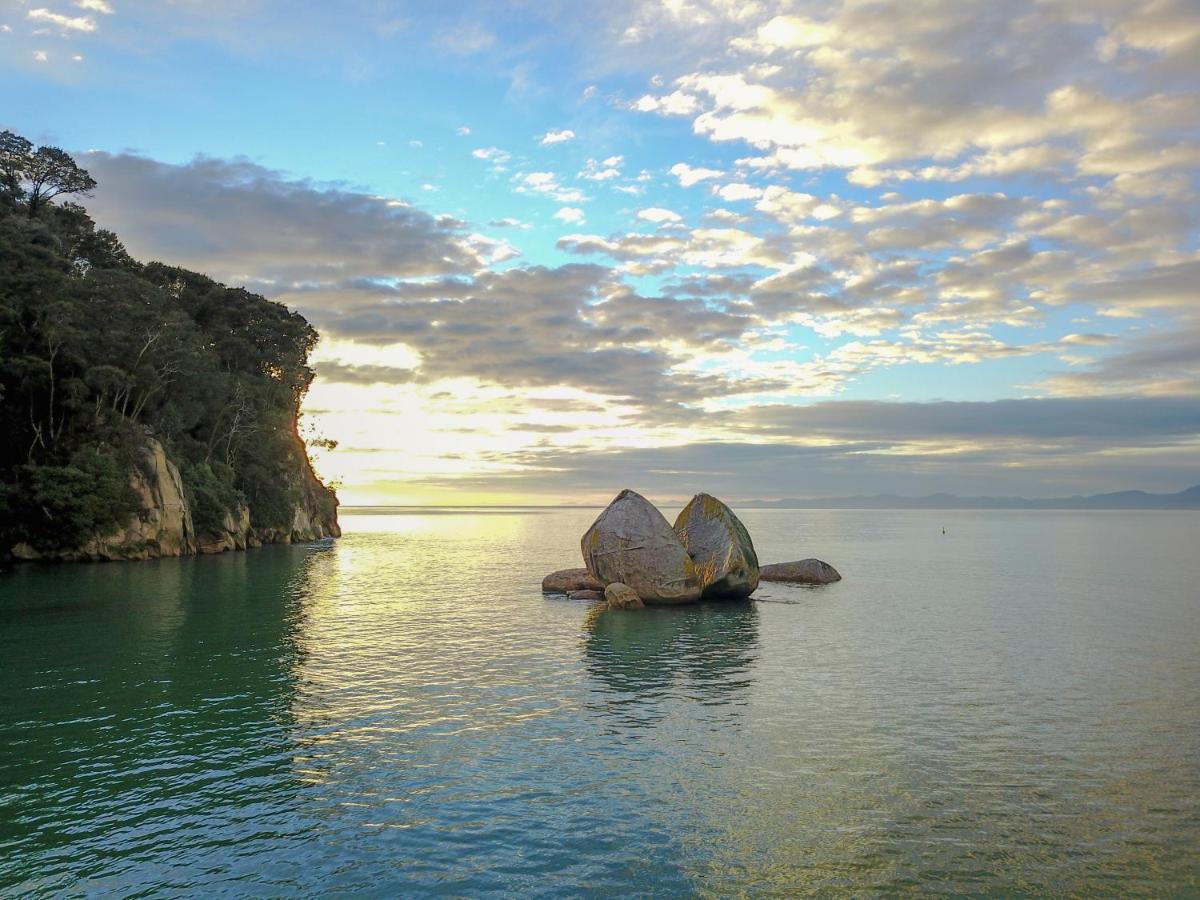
(38, 176)
(64, 506)
(211, 494)
(97, 350)
(15, 152)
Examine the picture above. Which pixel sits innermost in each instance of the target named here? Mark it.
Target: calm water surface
(1013, 708)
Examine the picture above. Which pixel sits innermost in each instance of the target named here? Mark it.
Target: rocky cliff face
(315, 515)
(164, 525)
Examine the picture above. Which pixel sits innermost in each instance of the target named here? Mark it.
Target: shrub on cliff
(211, 494)
(64, 506)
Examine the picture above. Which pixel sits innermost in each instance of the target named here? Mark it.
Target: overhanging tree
(52, 172)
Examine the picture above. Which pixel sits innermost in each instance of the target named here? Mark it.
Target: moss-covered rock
(720, 548)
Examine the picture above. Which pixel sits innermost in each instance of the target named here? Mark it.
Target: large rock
(720, 548)
(566, 580)
(622, 596)
(632, 543)
(803, 571)
(163, 526)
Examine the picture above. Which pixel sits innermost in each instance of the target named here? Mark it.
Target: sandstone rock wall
(164, 526)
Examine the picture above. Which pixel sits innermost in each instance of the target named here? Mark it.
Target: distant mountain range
(1189, 499)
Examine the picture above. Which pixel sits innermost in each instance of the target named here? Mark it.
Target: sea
(1008, 708)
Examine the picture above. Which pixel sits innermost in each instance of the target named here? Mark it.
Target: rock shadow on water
(703, 652)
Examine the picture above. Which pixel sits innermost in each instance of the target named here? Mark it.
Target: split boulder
(720, 548)
(633, 544)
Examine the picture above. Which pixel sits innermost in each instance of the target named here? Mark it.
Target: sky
(762, 249)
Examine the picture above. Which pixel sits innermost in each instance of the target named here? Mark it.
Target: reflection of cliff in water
(129, 689)
(702, 652)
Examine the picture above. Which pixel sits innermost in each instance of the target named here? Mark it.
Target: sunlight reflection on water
(1014, 708)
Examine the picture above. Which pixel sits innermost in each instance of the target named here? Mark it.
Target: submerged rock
(633, 544)
(720, 548)
(803, 571)
(566, 580)
(622, 596)
(585, 595)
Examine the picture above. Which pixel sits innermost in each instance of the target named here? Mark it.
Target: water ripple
(403, 712)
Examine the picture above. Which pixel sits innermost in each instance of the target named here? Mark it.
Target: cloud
(689, 176)
(925, 185)
(711, 248)
(556, 137)
(1079, 420)
(1152, 287)
(492, 154)
(541, 327)
(348, 373)
(603, 170)
(1155, 364)
(739, 191)
(239, 221)
(790, 206)
(64, 23)
(1036, 448)
(547, 184)
(658, 215)
(975, 88)
(379, 272)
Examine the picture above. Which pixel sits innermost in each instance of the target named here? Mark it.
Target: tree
(52, 172)
(99, 352)
(15, 155)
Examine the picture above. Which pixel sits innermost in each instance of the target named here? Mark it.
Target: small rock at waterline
(585, 595)
(803, 571)
(566, 580)
(622, 596)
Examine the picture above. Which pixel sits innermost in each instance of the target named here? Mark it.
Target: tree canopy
(99, 351)
(35, 177)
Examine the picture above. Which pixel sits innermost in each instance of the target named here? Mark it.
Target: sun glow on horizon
(699, 244)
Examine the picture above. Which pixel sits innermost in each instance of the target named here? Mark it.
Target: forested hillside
(102, 357)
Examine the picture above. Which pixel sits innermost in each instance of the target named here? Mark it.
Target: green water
(1013, 708)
